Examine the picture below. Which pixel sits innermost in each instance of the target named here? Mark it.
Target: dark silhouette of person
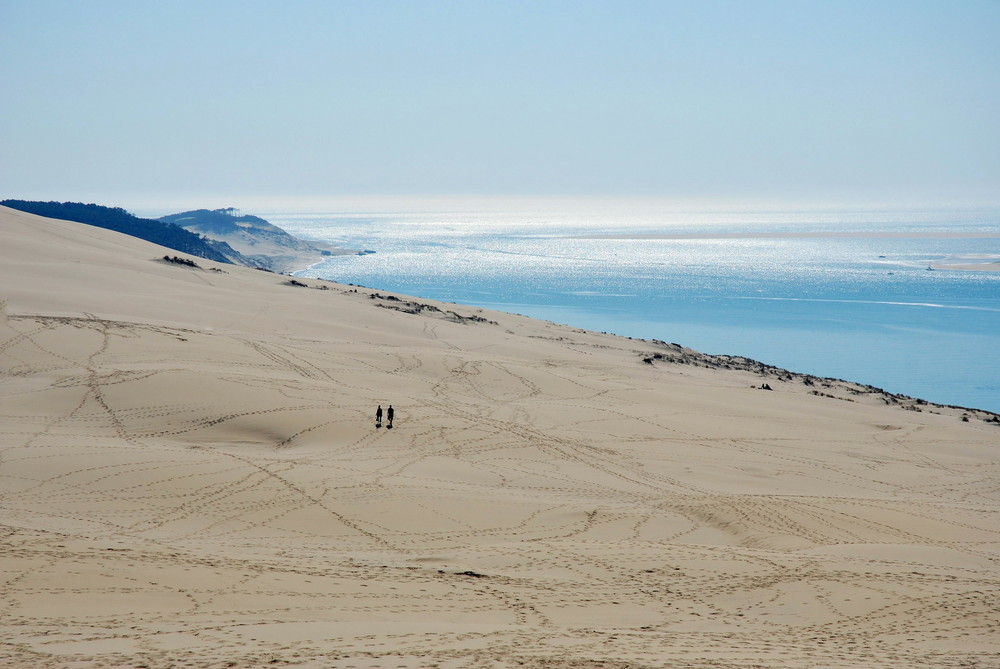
(378, 416)
(388, 415)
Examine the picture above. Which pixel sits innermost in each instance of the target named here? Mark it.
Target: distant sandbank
(832, 234)
(969, 266)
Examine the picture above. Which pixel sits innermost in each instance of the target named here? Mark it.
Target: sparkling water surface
(858, 304)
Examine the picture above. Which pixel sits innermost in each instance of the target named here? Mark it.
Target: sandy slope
(190, 476)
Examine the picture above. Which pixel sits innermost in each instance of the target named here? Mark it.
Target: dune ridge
(190, 475)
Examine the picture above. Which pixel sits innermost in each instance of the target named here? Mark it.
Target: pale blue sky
(831, 101)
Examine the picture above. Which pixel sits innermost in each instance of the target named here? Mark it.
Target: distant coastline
(222, 235)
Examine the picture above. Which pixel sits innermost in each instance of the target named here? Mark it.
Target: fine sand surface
(190, 476)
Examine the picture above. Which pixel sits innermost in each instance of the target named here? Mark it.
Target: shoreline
(833, 261)
(300, 262)
(751, 360)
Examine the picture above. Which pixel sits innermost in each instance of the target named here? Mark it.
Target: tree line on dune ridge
(117, 219)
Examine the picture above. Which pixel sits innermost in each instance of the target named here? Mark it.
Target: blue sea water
(836, 293)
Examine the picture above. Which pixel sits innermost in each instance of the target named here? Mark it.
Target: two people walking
(388, 416)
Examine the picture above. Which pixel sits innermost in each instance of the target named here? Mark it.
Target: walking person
(388, 415)
(378, 416)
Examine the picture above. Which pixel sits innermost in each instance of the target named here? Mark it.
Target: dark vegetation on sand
(117, 219)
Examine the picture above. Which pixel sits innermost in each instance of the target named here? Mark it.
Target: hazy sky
(829, 101)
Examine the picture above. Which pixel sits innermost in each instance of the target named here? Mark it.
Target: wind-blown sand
(190, 477)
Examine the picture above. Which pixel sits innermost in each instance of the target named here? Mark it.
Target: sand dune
(190, 476)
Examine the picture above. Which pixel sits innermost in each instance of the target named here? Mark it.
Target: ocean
(840, 293)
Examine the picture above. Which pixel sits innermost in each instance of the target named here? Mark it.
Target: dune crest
(190, 475)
